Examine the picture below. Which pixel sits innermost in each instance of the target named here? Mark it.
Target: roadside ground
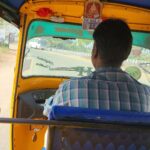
(7, 64)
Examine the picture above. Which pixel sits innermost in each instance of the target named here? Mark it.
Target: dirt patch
(7, 64)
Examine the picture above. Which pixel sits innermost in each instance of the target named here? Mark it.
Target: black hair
(113, 40)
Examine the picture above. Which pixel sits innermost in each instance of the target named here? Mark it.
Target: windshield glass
(59, 50)
(49, 56)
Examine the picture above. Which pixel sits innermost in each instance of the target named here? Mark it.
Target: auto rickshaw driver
(109, 87)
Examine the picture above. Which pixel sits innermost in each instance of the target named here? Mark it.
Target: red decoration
(44, 12)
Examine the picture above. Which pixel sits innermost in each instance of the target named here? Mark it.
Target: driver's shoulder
(74, 81)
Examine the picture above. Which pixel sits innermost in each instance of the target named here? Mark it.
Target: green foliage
(78, 45)
(134, 72)
(1, 21)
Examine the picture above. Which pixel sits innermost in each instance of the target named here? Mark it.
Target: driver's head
(112, 43)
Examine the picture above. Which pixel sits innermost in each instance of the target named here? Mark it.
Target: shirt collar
(111, 74)
(107, 69)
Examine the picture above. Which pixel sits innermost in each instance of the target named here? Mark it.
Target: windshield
(49, 56)
(58, 50)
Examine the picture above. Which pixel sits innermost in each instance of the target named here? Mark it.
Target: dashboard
(30, 104)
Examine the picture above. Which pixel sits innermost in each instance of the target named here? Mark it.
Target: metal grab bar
(26, 121)
(71, 123)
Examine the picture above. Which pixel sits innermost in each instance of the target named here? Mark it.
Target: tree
(1, 21)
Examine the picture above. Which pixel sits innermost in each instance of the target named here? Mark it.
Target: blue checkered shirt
(106, 88)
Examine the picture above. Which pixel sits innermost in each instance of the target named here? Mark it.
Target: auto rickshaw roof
(9, 9)
(144, 3)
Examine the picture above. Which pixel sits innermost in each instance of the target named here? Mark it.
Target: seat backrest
(109, 130)
(96, 115)
(105, 138)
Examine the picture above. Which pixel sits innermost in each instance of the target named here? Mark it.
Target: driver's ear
(94, 51)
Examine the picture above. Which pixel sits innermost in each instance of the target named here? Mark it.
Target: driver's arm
(60, 98)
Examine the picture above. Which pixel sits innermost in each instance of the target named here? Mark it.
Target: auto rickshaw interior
(54, 47)
(69, 58)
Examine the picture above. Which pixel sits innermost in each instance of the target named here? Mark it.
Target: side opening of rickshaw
(53, 47)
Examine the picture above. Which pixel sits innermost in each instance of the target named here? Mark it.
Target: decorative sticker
(92, 14)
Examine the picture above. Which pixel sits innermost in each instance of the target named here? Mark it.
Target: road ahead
(56, 63)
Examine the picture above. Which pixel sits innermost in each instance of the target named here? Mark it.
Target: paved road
(7, 62)
(55, 63)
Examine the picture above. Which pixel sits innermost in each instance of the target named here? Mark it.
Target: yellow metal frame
(137, 18)
(72, 12)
